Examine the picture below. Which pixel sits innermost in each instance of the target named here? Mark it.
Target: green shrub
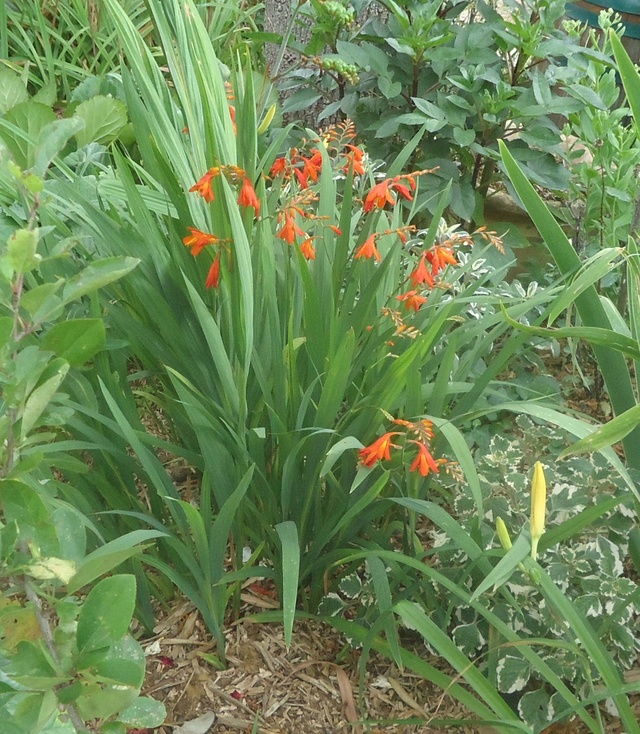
(64, 661)
(464, 73)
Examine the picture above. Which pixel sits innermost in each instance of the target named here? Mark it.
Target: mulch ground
(268, 688)
(286, 691)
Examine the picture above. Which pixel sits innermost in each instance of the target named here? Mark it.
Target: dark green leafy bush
(466, 73)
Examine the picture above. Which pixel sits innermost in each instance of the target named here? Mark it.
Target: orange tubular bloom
(312, 165)
(198, 240)
(369, 249)
(290, 229)
(379, 196)
(424, 462)
(248, 196)
(279, 166)
(440, 257)
(412, 300)
(213, 278)
(378, 450)
(354, 160)
(421, 274)
(307, 249)
(303, 178)
(402, 189)
(205, 185)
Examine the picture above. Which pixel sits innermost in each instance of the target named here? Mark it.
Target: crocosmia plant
(308, 296)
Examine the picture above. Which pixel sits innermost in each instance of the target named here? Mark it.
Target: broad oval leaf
(106, 613)
(76, 340)
(104, 119)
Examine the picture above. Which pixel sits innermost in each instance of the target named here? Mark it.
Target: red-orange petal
(213, 278)
(369, 249)
(307, 249)
(247, 196)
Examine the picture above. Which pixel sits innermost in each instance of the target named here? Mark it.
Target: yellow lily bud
(503, 534)
(538, 506)
(266, 120)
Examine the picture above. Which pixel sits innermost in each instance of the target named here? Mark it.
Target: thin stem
(623, 294)
(47, 636)
(12, 414)
(285, 41)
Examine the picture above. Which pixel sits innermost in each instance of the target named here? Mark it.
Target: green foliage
(62, 48)
(66, 660)
(550, 634)
(273, 378)
(469, 74)
(35, 135)
(317, 328)
(595, 312)
(92, 675)
(59, 46)
(589, 517)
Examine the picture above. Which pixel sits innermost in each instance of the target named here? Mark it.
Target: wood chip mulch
(270, 689)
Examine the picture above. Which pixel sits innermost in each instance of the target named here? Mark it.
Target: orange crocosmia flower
(198, 240)
(232, 115)
(303, 178)
(290, 229)
(307, 249)
(279, 166)
(248, 196)
(421, 274)
(335, 230)
(213, 277)
(402, 189)
(369, 249)
(378, 450)
(379, 196)
(424, 462)
(440, 257)
(310, 168)
(205, 185)
(412, 300)
(354, 159)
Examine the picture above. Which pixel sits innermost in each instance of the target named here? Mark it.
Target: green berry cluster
(346, 71)
(338, 12)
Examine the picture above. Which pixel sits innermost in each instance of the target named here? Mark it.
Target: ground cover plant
(326, 351)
